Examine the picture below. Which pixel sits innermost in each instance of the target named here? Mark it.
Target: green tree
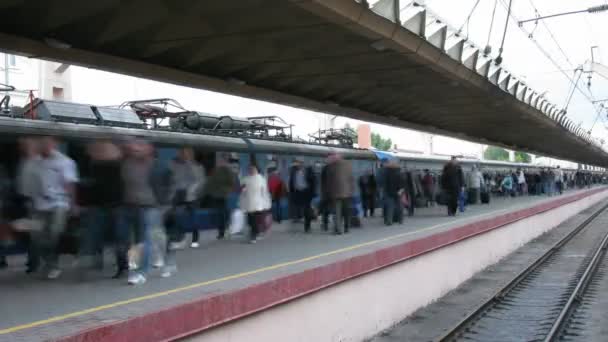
(496, 153)
(523, 157)
(381, 143)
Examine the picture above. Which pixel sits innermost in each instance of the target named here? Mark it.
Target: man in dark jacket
(367, 188)
(302, 185)
(220, 185)
(393, 187)
(452, 181)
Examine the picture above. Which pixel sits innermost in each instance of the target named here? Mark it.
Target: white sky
(575, 34)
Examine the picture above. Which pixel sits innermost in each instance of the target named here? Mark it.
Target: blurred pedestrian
(54, 197)
(186, 183)
(140, 212)
(220, 185)
(452, 182)
(103, 206)
(302, 185)
(393, 188)
(368, 190)
(255, 200)
(277, 192)
(340, 188)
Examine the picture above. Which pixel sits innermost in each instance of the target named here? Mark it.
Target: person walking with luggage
(340, 188)
(393, 188)
(452, 182)
(54, 199)
(255, 200)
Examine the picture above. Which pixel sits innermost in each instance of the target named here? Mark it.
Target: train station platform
(224, 281)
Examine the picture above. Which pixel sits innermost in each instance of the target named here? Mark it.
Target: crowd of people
(145, 208)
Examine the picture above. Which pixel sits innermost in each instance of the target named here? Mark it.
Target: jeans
(277, 213)
(548, 188)
(137, 221)
(46, 241)
(220, 205)
(392, 209)
(185, 219)
(462, 201)
(98, 221)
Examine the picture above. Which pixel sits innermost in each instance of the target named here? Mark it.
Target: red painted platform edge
(208, 312)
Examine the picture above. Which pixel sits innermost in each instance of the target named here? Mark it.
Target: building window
(12, 60)
(57, 93)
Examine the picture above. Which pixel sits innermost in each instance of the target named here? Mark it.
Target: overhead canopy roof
(394, 63)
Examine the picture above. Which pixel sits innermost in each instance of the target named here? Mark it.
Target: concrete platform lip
(290, 285)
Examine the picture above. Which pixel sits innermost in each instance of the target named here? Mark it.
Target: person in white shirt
(521, 182)
(255, 199)
(53, 198)
(476, 182)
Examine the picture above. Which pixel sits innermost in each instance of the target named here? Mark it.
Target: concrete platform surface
(34, 309)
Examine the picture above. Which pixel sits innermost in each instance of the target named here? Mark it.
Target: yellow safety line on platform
(231, 277)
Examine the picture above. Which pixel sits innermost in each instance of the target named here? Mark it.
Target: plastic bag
(237, 222)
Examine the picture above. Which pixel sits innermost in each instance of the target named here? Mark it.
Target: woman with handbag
(255, 199)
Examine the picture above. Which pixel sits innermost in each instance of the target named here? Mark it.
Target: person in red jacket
(277, 191)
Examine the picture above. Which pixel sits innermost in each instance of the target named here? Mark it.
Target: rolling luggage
(485, 197)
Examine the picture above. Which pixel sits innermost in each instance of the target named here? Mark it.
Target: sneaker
(132, 265)
(53, 274)
(168, 271)
(175, 246)
(194, 245)
(158, 263)
(136, 279)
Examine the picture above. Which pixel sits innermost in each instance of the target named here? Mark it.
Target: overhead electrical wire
(498, 59)
(551, 34)
(589, 96)
(488, 49)
(547, 55)
(468, 19)
(572, 89)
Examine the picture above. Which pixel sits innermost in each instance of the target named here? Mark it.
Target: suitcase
(485, 197)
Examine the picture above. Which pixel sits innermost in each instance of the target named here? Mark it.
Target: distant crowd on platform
(145, 208)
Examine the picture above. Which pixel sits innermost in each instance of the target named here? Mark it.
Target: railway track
(547, 300)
